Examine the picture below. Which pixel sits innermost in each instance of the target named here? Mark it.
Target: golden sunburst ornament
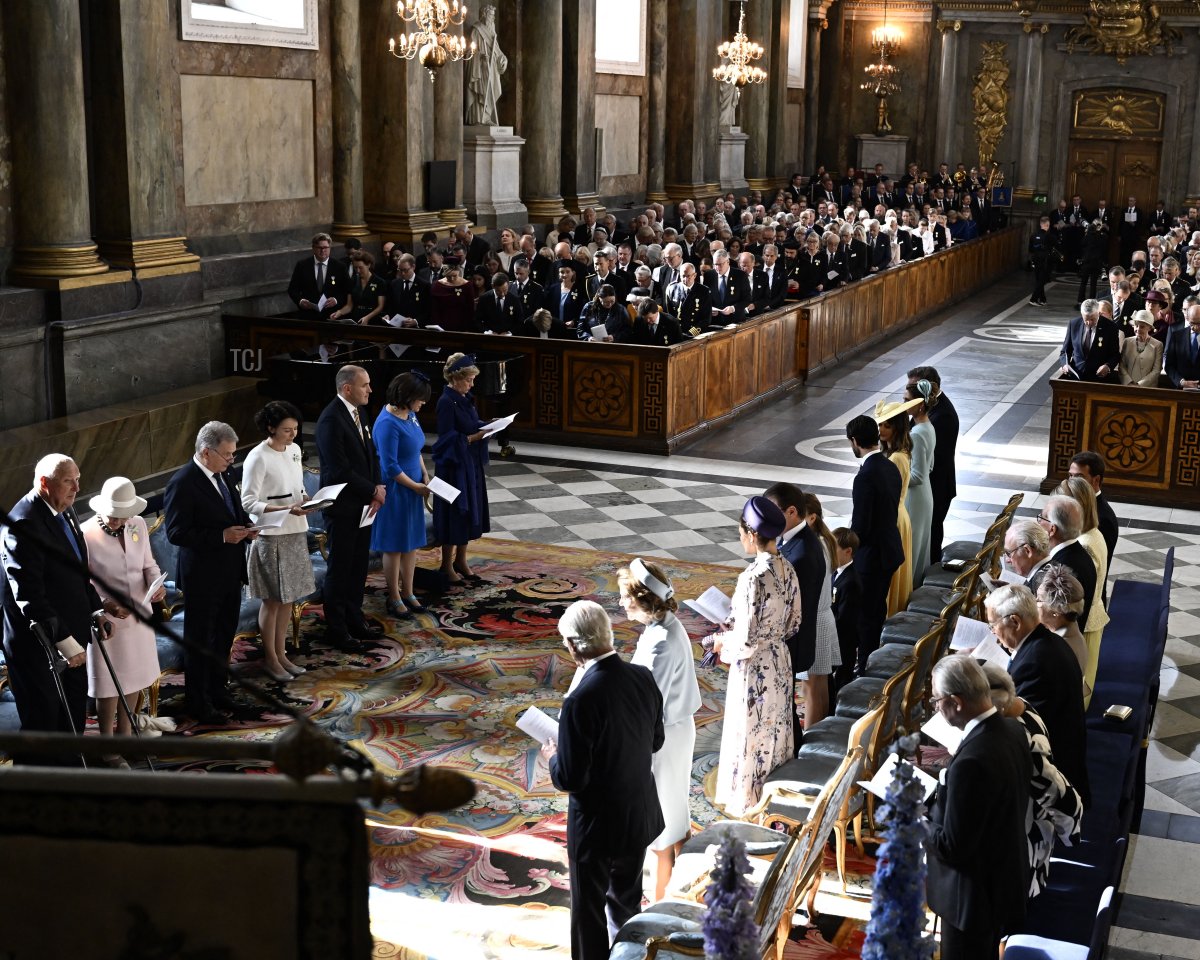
(1118, 113)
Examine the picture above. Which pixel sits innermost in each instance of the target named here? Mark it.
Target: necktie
(721, 289)
(358, 427)
(1087, 341)
(320, 277)
(1195, 346)
(225, 495)
(66, 525)
(407, 284)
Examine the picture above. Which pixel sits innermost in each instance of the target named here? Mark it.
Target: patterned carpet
(488, 880)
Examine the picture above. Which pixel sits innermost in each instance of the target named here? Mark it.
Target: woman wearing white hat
(1141, 355)
(119, 555)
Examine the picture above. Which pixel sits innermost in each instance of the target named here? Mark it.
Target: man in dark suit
(205, 520)
(1090, 465)
(583, 232)
(316, 276)
(626, 265)
(408, 297)
(730, 290)
(800, 545)
(690, 302)
(48, 600)
(668, 272)
(1061, 519)
(475, 249)
(1047, 676)
(978, 881)
(348, 456)
(1027, 550)
(528, 292)
(942, 476)
(1182, 354)
(757, 281)
(1132, 224)
(1160, 220)
(1091, 349)
(774, 279)
(499, 310)
(603, 265)
(876, 499)
(654, 328)
(609, 728)
(847, 596)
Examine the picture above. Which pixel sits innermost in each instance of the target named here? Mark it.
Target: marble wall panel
(618, 117)
(267, 154)
(793, 114)
(6, 197)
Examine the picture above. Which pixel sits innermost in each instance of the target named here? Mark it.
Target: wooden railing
(1149, 439)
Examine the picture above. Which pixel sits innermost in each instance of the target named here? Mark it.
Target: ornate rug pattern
(445, 687)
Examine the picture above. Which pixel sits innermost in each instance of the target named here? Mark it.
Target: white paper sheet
(538, 725)
(153, 588)
(326, 495)
(878, 784)
(712, 604)
(1007, 575)
(939, 728)
(440, 488)
(368, 517)
(274, 518)
(969, 633)
(322, 302)
(599, 331)
(497, 425)
(991, 651)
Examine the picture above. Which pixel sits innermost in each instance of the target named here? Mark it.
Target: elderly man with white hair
(1046, 675)
(609, 729)
(48, 600)
(1062, 520)
(1026, 549)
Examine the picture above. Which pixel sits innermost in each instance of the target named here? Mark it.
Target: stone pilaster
(691, 161)
(580, 178)
(657, 23)
(541, 112)
(754, 107)
(812, 92)
(346, 84)
(779, 165)
(52, 226)
(448, 134)
(947, 111)
(1033, 49)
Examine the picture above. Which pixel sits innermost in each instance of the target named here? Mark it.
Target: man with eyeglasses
(1061, 518)
(978, 881)
(205, 520)
(1182, 355)
(1026, 550)
(1047, 676)
(315, 277)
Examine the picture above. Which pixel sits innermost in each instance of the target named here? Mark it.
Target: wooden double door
(1114, 170)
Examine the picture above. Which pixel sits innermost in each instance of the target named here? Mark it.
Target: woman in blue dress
(459, 458)
(399, 528)
(919, 499)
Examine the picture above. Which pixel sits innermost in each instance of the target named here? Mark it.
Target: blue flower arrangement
(896, 928)
(730, 932)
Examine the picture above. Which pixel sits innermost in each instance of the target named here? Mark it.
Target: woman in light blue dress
(399, 528)
(919, 499)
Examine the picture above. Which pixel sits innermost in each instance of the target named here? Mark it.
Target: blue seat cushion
(856, 698)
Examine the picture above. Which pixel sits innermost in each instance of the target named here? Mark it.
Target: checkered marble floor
(994, 354)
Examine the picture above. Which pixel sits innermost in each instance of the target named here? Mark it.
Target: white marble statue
(727, 105)
(483, 71)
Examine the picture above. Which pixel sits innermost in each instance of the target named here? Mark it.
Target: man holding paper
(978, 878)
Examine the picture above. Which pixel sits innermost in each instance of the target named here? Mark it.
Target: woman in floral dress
(757, 733)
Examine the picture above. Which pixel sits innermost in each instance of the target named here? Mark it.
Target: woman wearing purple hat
(757, 733)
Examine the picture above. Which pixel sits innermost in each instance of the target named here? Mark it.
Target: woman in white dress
(1080, 490)
(756, 736)
(828, 652)
(119, 554)
(919, 499)
(664, 649)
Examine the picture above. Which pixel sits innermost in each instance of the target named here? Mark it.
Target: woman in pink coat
(119, 554)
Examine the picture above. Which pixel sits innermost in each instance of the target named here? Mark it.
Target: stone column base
(577, 204)
(693, 191)
(344, 231)
(161, 256)
(492, 176)
(455, 217)
(732, 166)
(656, 196)
(545, 209)
(49, 266)
(764, 185)
(405, 227)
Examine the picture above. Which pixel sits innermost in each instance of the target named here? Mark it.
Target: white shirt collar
(587, 666)
(787, 535)
(348, 405)
(208, 473)
(1065, 543)
(53, 512)
(972, 724)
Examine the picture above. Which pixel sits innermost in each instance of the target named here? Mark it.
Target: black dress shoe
(223, 701)
(212, 718)
(344, 642)
(366, 631)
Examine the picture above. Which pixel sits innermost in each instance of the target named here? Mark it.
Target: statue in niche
(990, 96)
(727, 101)
(484, 70)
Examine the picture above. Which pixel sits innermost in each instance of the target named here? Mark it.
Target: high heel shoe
(294, 669)
(414, 604)
(277, 673)
(396, 608)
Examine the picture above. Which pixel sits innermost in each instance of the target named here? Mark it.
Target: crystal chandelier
(739, 52)
(430, 44)
(883, 76)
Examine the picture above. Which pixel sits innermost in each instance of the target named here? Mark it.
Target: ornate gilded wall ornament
(1089, 168)
(990, 96)
(1106, 112)
(1123, 29)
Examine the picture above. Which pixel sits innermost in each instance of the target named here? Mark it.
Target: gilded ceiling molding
(990, 97)
(1122, 29)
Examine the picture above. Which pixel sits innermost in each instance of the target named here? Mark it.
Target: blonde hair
(460, 374)
(642, 595)
(1080, 490)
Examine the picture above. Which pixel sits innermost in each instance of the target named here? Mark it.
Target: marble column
(448, 134)
(692, 163)
(542, 98)
(947, 82)
(346, 83)
(398, 141)
(1033, 49)
(658, 23)
(779, 164)
(754, 108)
(52, 226)
(812, 92)
(580, 176)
